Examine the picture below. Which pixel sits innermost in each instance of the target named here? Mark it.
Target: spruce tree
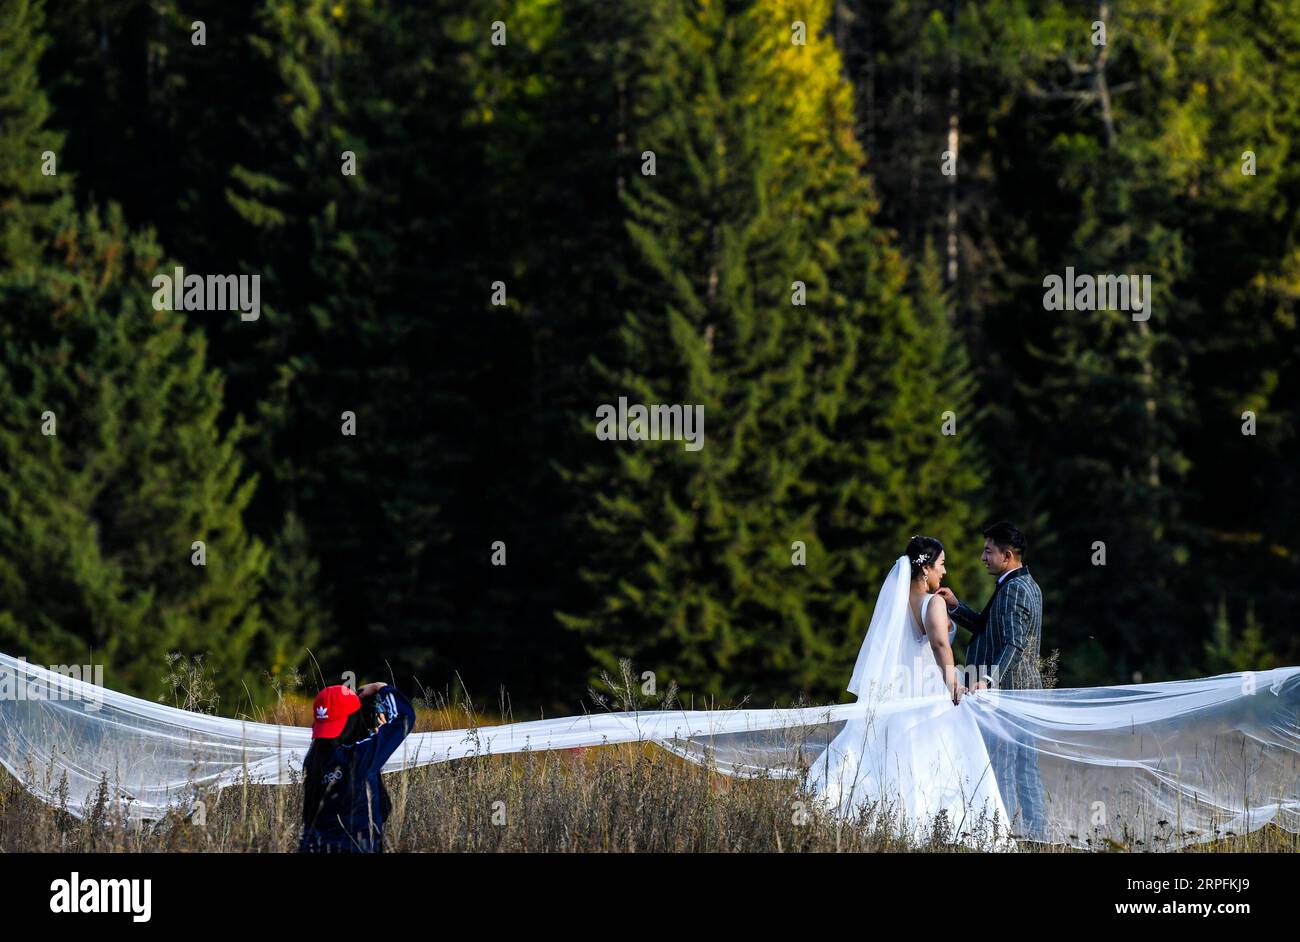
(1148, 184)
(807, 411)
(378, 287)
(31, 201)
(116, 467)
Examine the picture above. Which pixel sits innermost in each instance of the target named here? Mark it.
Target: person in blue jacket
(353, 734)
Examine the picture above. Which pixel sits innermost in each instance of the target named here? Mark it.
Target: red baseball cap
(332, 708)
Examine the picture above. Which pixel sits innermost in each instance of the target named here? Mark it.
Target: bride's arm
(958, 610)
(936, 630)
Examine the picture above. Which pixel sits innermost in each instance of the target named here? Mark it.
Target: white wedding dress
(915, 761)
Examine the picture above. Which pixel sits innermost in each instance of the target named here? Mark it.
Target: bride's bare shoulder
(936, 615)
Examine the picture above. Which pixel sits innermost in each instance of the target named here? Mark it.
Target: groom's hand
(949, 599)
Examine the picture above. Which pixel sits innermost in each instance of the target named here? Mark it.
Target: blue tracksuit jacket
(355, 804)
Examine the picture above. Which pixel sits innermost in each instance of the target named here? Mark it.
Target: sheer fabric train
(1160, 763)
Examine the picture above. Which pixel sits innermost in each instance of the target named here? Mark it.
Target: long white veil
(1151, 766)
(881, 664)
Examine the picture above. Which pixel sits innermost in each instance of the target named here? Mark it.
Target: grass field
(627, 798)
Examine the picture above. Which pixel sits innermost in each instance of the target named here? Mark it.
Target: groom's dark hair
(1006, 536)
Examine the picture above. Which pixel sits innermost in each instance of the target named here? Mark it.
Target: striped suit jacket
(1009, 644)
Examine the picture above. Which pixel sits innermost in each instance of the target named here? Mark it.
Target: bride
(917, 757)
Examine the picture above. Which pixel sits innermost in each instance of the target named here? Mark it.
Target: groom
(1006, 633)
(1004, 650)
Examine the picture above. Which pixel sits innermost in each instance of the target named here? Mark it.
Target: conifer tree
(121, 532)
(30, 200)
(807, 411)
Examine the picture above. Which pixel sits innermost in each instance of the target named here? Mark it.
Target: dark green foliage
(1123, 158)
(30, 200)
(822, 422)
(114, 466)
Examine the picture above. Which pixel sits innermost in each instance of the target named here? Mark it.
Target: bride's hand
(956, 694)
